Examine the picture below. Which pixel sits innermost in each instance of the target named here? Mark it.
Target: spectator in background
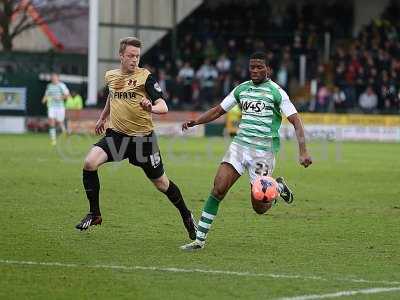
(185, 77)
(226, 85)
(74, 101)
(361, 81)
(196, 94)
(171, 89)
(368, 100)
(164, 81)
(207, 76)
(352, 69)
(177, 93)
(224, 64)
(340, 78)
(232, 49)
(339, 100)
(197, 55)
(73, 105)
(210, 51)
(388, 98)
(342, 81)
(224, 33)
(322, 102)
(282, 75)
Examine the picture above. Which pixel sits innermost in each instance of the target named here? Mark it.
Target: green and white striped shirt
(261, 107)
(55, 94)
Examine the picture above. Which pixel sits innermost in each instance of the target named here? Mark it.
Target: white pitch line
(179, 270)
(343, 294)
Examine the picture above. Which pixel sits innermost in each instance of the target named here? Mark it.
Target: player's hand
(187, 124)
(100, 126)
(146, 104)
(305, 159)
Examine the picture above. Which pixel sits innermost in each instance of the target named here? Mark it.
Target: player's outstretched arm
(304, 158)
(210, 115)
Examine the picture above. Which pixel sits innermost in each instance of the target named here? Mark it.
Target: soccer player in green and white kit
(55, 95)
(262, 102)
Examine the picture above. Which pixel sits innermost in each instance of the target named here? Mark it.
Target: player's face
(258, 70)
(130, 58)
(54, 78)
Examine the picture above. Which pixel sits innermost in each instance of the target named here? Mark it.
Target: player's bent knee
(161, 183)
(95, 158)
(161, 186)
(90, 165)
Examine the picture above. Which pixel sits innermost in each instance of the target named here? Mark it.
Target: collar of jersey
(265, 80)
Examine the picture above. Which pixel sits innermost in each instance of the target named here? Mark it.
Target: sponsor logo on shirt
(123, 95)
(256, 107)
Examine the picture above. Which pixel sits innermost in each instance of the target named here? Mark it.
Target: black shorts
(141, 151)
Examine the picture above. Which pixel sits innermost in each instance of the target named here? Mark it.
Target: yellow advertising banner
(350, 119)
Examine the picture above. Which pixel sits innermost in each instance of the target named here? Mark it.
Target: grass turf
(343, 225)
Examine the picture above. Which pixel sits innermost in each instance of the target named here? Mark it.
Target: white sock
(63, 129)
(52, 132)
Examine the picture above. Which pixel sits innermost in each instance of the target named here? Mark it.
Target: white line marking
(179, 270)
(343, 293)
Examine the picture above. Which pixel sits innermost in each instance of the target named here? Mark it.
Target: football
(265, 189)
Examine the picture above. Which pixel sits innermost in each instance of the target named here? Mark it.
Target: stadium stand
(371, 60)
(212, 54)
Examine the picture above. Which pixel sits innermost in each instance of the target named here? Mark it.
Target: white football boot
(193, 246)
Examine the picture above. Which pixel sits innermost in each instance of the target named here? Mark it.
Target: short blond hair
(129, 41)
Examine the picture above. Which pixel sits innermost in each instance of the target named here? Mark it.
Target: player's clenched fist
(188, 124)
(146, 104)
(99, 129)
(305, 160)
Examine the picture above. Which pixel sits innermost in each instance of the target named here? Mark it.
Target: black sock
(174, 195)
(92, 187)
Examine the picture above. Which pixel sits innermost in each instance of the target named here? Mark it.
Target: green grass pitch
(341, 234)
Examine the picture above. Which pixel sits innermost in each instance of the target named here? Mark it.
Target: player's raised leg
(173, 193)
(95, 158)
(225, 178)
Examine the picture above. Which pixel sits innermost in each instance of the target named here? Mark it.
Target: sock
(63, 129)
(52, 133)
(207, 216)
(92, 187)
(174, 195)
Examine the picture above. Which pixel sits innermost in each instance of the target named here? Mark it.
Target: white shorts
(256, 162)
(57, 113)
